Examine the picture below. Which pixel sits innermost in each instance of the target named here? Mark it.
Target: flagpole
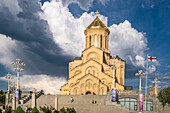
(146, 80)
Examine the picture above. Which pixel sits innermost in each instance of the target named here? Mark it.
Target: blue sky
(42, 35)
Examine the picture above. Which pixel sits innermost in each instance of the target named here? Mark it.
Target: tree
(19, 110)
(35, 110)
(2, 97)
(164, 96)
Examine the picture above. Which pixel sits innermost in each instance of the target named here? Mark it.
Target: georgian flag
(150, 58)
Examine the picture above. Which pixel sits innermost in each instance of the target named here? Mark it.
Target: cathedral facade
(96, 71)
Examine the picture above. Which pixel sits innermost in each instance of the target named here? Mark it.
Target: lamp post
(113, 80)
(9, 77)
(156, 82)
(18, 64)
(140, 74)
(113, 91)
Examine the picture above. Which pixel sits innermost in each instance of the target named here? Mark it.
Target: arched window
(100, 41)
(102, 91)
(95, 40)
(93, 72)
(106, 42)
(90, 41)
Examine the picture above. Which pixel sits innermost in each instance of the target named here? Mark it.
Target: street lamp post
(140, 74)
(9, 77)
(113, 80)
(18, 64)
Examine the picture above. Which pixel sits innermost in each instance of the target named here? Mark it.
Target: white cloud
(50, 84)
(7, 46)
(127, 42)
(68, 31)
(140, 61)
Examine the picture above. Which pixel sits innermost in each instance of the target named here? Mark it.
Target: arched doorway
(88, 93)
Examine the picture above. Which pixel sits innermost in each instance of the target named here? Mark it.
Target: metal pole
(140, 83)
(140, 74)
(18, 80)
(146, 80)
(113, 77)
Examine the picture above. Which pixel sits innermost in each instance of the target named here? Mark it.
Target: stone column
(56, 102)
(14, 102)
(7, 97)
(33, 104)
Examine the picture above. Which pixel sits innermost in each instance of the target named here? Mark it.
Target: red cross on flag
(150, 58)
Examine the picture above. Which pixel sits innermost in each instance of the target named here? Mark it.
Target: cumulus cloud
(46, 83)
(128, 43)
(68, 31)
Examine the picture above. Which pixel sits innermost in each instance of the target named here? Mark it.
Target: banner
(140, 102)
(114, 96)
(17, 94)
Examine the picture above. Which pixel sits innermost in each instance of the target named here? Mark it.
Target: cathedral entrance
(88, 93)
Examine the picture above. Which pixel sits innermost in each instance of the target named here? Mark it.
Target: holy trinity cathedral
(95, 72)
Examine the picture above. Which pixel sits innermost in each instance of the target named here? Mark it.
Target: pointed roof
(97, 23)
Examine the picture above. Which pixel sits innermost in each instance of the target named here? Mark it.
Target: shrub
(35, 110)
(55, 111)
(68, 110)
(29, 109)
(19, 110)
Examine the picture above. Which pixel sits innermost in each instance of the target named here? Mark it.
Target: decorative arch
(92, 55)
(91, 70)
(88, 84)
(102, 91)
(82, 87)
(108, 72)
(75, 91)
